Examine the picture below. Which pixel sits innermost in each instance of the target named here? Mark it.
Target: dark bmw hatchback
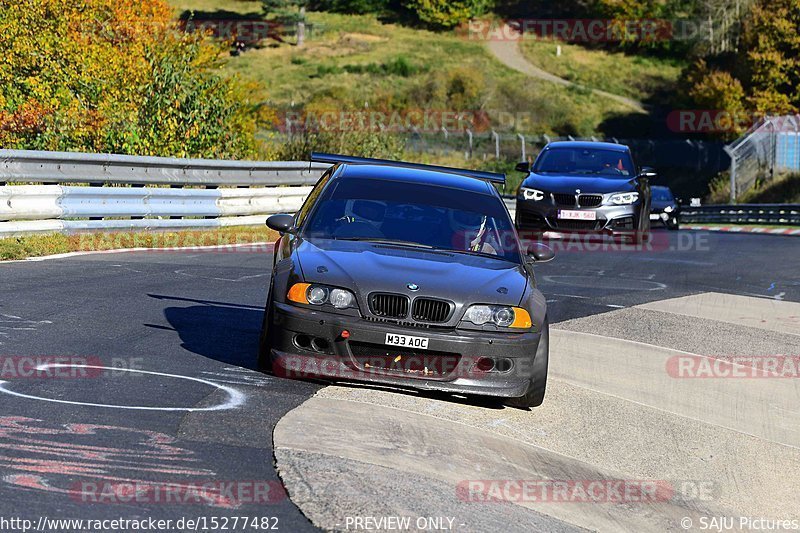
(585, 187)
(409, 275)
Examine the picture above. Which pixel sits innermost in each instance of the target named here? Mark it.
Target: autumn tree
(771, 53)
(115, 76)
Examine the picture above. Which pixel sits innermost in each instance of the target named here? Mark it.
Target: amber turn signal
(298, 293)
(522, 319)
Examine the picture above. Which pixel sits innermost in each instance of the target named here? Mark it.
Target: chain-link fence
(770, 147)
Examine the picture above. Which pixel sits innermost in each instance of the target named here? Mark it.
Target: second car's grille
(388, 305)
(564, 199)
(590, 200)
(428, 310)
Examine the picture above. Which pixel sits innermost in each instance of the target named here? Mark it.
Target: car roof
(588, 144)
(414, 175)
(659, 187)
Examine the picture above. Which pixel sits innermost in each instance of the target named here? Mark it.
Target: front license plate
(577, 215)
(407, 341)
(655, 217)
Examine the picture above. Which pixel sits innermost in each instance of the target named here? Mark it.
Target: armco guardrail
(71, 167)
(127, 192)
(779, 214)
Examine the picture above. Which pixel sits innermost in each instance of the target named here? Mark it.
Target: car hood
(586, 184)
(369, 267)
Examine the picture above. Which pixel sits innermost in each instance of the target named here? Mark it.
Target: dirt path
(508, 52)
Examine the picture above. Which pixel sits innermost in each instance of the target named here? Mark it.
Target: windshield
(661, 194)
(416, 215)
(584, 161)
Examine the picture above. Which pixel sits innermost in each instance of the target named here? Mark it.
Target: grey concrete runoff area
(145, 403)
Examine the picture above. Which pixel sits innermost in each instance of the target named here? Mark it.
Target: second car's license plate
(577, 215)
(407, 341)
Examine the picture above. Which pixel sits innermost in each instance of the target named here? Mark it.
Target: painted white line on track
(235, 398)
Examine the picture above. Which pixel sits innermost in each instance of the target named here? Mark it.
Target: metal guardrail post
(730, 152)
(522, 141)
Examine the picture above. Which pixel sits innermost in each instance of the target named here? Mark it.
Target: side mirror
(540, 253)
(524, 166)
(648, 172)
(281, 223)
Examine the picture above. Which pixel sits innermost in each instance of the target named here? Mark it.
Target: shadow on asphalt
(221, 331)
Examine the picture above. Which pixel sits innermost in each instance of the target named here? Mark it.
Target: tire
(265, 338)
(673, 224)
(536, 390)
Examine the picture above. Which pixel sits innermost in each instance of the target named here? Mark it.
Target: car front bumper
(449, 364)
(662, 217)
(538, 216)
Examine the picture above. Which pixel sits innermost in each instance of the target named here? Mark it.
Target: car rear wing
(318, 157)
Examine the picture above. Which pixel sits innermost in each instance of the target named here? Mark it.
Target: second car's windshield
(585, 161)
(661, 195)
(416, 214)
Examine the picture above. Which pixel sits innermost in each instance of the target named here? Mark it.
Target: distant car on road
(585, 187)
(410, 275)
(664, 207)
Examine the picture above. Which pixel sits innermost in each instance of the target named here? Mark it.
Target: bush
(448, 13)
(115, 76)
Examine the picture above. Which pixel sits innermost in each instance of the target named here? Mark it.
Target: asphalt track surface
(202, 414)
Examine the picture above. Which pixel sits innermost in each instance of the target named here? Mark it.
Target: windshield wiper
(384, 241)
(481, 254)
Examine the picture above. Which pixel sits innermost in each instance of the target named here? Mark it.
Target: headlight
(315, 294)
(532, 194)
(668, 209)
(500, 315)
(624, 198)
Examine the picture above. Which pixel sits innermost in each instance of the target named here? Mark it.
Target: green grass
(784, 189)
(56, 243)
(635, 76)
(353, 61)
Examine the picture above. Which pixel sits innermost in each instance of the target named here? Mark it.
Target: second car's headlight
(531, 194)
(500, 315)
(624, 198)
(316, 294)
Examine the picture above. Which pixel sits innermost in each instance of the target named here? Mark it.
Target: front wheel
(536, 390)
